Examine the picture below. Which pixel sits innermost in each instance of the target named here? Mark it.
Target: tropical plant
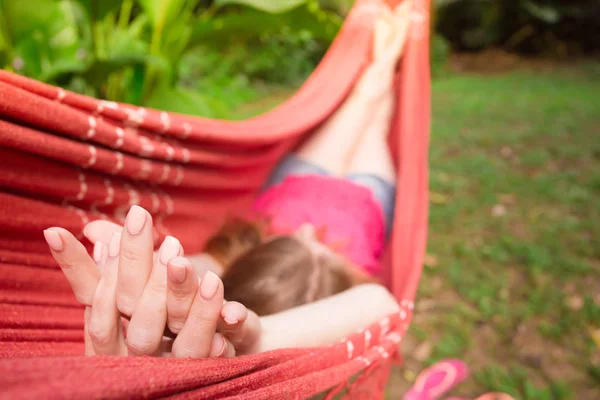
(134, 50)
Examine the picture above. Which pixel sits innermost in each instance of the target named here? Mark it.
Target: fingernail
(209, 285)
(232, 316)
(169, 249)
(53, 239)
(136, 218)
(218, 346)
(178, 269)
(115, 245)
(98, 251)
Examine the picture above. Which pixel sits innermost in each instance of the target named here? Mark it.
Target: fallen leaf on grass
(423, 351)
(575, 303)
(443, 177)
(498, 210)
(409, 375)
(431, 260)
(506, 152)
(507, 198)
(438, 198)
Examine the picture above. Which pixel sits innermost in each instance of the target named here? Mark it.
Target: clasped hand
(143, 303)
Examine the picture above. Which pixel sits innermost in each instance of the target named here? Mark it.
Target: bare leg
(340, 146)
(372, 154)
(330, 147)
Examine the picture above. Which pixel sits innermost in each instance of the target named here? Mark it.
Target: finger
(105, 329)
(87, 340)
(100, 254)
(232, 321)
(135, 259)
(75, 262)
(182, 288)
(240, 326)
(196, 336)
(221, 347)
(145, 331)
(101, 231)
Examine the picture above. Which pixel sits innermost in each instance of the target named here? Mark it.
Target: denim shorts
(383, 191)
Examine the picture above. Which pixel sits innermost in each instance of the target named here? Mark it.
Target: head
(269, 274)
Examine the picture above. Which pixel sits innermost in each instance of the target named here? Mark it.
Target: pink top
(352, 217)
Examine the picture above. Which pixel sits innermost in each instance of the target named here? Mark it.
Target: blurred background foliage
(205, 57)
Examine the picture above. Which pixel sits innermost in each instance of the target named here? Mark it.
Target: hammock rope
(67, 159)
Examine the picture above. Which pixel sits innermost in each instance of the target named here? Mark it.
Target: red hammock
(67, 159)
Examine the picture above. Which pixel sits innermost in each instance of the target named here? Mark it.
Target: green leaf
(136, 85)
(98, 9)
(125, 47)
(270, 6)
(184, 101)
(162, 12)
(22, 19)
(547, 14)
(250, 24)
(54, 46)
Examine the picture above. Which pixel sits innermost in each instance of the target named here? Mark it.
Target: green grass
(515, 234)
(515, 231)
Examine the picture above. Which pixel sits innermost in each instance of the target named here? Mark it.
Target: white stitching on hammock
(84, 218)
(394, 337)
(60, 95)
(165, 120)
(83, 187)
(147, 147)
(102, 104)
(134, 196)
(155, 202)
(367, 338)
(402, 314)
(94, 210)
(92, 130)
(165, 173)
(120, 137)
(384, 326)
(135, 117)
(363, 360)
(179, 176)
(408, 304)
(145, 169)
(110, 192)
(118, 163)
(170, 152)
(93, 157)
(382, 351)
(187, 129)
(186, 155)
(350, 347)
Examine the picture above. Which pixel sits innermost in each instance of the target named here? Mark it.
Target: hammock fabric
(67, 159)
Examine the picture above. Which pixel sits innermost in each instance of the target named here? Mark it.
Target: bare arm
(327, 321)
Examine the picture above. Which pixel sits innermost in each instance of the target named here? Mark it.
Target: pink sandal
(437, 380)
(487, 396)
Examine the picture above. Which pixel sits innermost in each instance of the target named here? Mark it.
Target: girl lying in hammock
(306, 268)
